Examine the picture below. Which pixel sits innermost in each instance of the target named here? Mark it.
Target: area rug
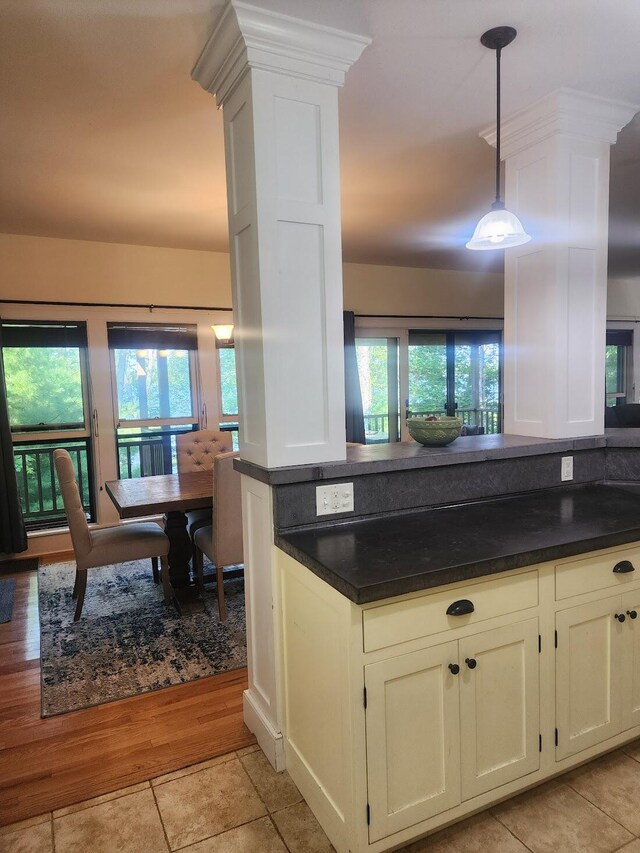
(7, 594)
(127, 641)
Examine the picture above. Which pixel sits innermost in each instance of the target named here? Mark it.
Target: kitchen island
(437, 661)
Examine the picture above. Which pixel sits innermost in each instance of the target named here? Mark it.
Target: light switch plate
(334, 499)
(566, 470)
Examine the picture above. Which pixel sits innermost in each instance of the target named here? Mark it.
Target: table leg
(180, 552)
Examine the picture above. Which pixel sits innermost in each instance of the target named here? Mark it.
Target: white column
(277, 79)
(556, 156)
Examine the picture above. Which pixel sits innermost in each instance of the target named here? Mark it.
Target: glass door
(456, 373)
(378, 372)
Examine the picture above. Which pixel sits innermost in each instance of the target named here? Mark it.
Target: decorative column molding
(563, 111)
(249, 37)
(276, 78)
(556, 156)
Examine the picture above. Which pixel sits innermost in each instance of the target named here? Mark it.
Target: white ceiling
(106, 137)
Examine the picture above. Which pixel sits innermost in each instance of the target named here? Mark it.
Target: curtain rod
(113, 305)
(427, 317)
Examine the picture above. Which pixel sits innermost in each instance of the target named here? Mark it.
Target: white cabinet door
(499, 707)
(412, 719)
(588, 700)
(630, 661)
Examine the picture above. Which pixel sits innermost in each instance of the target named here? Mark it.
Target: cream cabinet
(447, 723)
(597, 672)
(413, 730)
(407, 714)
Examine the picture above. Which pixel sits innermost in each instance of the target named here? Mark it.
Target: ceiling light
(498, 229)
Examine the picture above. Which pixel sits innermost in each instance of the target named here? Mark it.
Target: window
(228, 390)
(378, 373)
(456, 373)
(619, 350)
(154, 385)
(47, 399)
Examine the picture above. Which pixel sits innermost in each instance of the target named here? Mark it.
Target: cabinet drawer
(597, 573)
(390, 624)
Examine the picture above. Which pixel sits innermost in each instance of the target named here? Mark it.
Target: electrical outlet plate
(566, 470)
(334, 499)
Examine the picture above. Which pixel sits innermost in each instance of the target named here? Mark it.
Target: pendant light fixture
(498, 229)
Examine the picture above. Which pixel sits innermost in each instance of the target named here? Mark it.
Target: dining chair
(95, 548)
(221, 540)
(196, 451)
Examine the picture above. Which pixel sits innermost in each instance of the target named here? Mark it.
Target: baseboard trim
(270, 740)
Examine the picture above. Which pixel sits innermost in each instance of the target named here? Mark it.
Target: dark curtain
(353, 397)
(13, 536)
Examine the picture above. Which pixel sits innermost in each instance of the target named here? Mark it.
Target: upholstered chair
(221, 540)
(94, 548)
(196, 452)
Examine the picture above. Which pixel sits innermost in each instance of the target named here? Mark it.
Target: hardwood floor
(47, 764)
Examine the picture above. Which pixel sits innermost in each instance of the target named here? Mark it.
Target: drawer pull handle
(472, 663)
(623, 567)
(460, 608)
(633, 614)
(455, 669)
(620, 617)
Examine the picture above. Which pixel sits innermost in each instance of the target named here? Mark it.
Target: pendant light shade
(498, 229)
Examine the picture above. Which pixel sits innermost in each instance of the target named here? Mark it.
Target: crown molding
(250, 37)
(565, 111)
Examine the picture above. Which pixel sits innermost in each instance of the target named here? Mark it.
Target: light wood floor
(47, 764)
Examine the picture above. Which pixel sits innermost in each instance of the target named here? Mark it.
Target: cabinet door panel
(588, 703)
(412, 738)
(630, 662)
(499, 707)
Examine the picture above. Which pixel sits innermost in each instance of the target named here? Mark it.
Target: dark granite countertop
(374, 559)
(402, 456)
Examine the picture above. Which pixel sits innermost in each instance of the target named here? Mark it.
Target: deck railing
(40, 498)
(145, 454)
(377, 426)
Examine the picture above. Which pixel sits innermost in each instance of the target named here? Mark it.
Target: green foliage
(477, 372)
(151, 385)
(228, 384)
(44, 385)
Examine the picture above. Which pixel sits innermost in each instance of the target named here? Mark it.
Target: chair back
(77, 520)
(227, 511)
(197, 450)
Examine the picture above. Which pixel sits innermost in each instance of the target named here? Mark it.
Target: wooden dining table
(171, 495)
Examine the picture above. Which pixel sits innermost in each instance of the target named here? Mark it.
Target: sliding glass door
(456, 373)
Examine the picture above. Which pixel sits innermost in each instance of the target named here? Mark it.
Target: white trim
(247, 36)
(565, 111)
(271, 741)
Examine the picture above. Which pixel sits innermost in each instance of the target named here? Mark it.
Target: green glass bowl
(434, 433)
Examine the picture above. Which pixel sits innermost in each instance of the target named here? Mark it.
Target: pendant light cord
(498, 53)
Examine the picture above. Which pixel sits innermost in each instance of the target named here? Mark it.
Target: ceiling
(106, 137)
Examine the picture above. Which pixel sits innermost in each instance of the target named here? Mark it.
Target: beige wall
(407, 290)
(45, 268)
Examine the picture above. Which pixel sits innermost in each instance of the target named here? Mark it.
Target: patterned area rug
(128, 641)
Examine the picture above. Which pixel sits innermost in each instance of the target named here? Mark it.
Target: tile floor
(238, 804)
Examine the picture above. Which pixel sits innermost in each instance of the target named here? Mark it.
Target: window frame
(24, 432)
(126, 423)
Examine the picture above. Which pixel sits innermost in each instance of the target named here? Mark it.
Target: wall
(45, 268)
(407, 290)
(623, 297)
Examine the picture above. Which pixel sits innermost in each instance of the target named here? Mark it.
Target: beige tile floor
(238, 804)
